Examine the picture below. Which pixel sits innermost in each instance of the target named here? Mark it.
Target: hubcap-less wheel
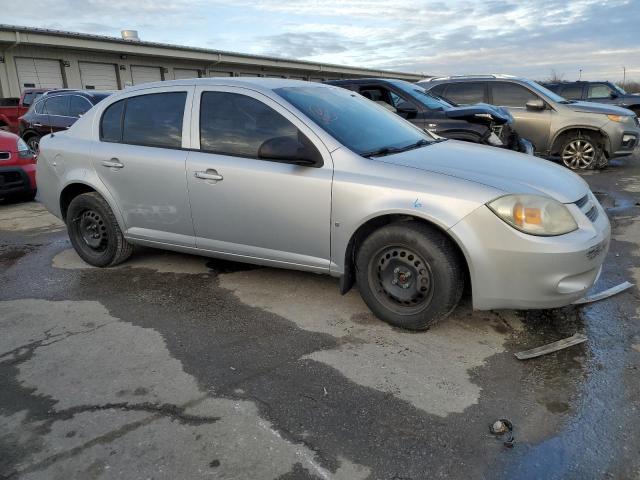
(578, 154)
(401, 279)
(93, 230)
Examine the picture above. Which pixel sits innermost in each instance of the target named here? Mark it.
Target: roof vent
(130, 35)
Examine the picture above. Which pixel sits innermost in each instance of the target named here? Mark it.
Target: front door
(141, 160)
(251, 208)
(534, 125)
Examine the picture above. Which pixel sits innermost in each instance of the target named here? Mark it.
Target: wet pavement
(174, 366)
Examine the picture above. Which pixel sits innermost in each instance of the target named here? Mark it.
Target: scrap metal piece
(604, 294)
(552, 347)
(503, 428)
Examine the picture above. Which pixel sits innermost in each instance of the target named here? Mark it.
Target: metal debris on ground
(503, 427)
(552, 347)
(604, 294)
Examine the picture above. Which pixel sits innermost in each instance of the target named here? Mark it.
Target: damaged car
(482, 123)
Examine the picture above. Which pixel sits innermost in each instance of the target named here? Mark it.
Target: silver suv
(314, 177)
(582, 134)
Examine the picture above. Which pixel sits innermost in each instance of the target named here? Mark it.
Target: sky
(533, 38)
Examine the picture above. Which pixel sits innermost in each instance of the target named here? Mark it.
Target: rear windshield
(359, 124)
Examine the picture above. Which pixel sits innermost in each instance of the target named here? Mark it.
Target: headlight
(534, 214)
(23, 149)
(616, 118)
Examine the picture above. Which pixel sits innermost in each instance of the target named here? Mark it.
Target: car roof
(255, 83)
(472, 78)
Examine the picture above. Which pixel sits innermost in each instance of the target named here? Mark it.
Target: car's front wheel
(581, 152)
(409, 274)
(34, 143)
(94, 231)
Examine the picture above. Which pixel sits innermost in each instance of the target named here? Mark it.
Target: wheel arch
(556, 143)
(76, 187)
(347, 280)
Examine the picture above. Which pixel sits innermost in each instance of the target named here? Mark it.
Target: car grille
(5, 155)
(588, 208)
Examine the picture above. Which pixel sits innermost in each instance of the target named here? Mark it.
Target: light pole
(624, 76)
(580, 76)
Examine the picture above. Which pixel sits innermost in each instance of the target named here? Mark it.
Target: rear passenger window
(571, 92)
(111, 125)
(78, 106)
(153, 120)
(511, 95)
(466, 93)
(58, 105)
(234, 124)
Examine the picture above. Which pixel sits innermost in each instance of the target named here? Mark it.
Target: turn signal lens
(615, 118)
(534, 214)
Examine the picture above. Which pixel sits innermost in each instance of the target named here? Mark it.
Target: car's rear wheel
(33, 142)
(581, 152)
(409, 274)
(94, 231)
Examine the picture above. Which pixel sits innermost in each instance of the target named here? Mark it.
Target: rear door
(466, 93)
(250, 207)
(534, 125)
(56, 115)
(140, 157)
(572, 91)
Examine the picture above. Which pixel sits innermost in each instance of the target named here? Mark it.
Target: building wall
(69, 59)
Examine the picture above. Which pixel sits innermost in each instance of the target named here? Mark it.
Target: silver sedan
(313, 177)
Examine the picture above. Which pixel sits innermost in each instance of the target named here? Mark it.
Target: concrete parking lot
(179, 367)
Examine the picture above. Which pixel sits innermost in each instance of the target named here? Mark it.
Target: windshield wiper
(389, 150)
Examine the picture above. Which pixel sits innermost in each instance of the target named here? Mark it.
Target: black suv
(600, 92)
(481, 123)
(54, 111)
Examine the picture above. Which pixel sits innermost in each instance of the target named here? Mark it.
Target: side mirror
(290, 150)
(537, 104)
(613, 95)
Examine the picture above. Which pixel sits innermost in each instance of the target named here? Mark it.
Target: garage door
(98, 76)
(179, 73)
(219, 73)
(141, 74)
(39, 73)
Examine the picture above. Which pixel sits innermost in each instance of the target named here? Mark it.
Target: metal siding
(39, 73)
(140, 74)
(99, 76)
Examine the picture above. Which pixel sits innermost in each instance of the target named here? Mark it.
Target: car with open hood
(314, 177)
(582, 135)
(481, 123)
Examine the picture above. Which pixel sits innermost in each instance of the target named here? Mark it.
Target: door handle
(37, 124)
(113, 163)
(210, 174)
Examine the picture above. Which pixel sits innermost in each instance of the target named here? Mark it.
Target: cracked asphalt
(177, 367)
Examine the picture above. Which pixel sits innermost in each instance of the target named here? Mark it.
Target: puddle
(10, 254)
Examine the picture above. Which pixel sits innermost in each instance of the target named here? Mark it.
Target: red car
(17, 168)
(13, 108)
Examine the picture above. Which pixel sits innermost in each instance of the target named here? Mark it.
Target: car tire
(33, 142)
(409, 274)
(580, 151)
(95, 233)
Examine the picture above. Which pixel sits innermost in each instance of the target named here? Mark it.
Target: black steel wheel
(410, 274)
(94, 231)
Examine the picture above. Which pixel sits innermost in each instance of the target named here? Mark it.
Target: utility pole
(624, 76)
(580, 76)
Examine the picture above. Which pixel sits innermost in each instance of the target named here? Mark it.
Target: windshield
(359, 124)
(554, 97)
(421, 95)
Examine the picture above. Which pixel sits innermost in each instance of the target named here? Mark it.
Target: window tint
(600, 90)
(572, 92)
(511, 95)
(234, 124)
(353, 120)
(58, 105)
(154, 120)
(39, 107)
(30, 97)
(438, 89)
(111, 124)
(465, 93)
(78, 106)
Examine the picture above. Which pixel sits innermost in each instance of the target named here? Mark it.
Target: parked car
(54, 111)
(13, 108)
(314, 177)
(582, 134)
(600, 92)
(483, 124)
(17, 168)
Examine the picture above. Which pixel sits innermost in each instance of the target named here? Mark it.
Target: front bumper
(511, 269)
(16, 180)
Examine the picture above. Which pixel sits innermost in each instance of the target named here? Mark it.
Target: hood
(502, 169)
(592, 107)
(499, 115)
